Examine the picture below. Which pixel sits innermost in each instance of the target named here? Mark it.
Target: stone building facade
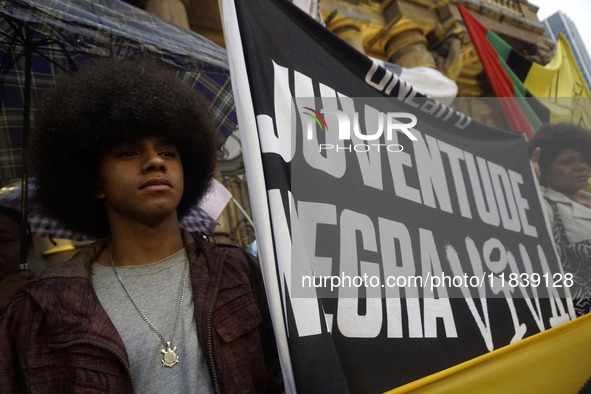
(430, 33)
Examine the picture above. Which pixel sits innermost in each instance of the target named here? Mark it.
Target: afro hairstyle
(104, 104)
(553, 139)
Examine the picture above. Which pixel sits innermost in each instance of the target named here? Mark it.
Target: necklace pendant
(169, 357)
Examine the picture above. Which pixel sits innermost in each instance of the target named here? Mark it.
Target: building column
(346, 29)
(170, 10)
(409, 49)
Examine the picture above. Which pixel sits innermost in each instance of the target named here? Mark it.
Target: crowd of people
(130, 128)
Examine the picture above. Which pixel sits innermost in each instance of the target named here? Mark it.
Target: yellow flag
(554, 361)
(560, 86)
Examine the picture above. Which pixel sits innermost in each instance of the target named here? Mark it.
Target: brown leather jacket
(56, 337)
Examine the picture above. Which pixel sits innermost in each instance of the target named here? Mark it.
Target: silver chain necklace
(169, 357)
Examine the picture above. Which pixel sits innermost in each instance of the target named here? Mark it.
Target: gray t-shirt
(155, 288)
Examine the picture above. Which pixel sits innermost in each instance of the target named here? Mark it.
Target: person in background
(561, 157)
(11, 279)
(122, 151)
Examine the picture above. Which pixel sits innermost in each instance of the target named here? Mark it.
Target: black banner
(406, 237)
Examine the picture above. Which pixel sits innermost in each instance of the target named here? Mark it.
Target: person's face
(569, 172)
(10, 246)
(141, 181)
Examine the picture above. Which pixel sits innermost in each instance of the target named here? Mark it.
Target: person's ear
(543, 178)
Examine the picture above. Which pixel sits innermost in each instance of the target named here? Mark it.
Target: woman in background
(561, 156)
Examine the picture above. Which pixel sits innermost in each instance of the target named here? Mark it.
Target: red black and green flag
(506, 70)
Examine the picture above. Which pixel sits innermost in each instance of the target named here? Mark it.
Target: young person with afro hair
(122, 150)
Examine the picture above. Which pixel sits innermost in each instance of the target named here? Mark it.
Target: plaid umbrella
(43, 225)
(44, 39)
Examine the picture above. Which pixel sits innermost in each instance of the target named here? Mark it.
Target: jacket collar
(576, 208)
(556, 196)
(79, 266)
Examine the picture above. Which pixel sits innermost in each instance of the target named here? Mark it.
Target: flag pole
(23, 264)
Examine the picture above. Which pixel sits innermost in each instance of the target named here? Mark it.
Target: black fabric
(519, 64)
(284, 46)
